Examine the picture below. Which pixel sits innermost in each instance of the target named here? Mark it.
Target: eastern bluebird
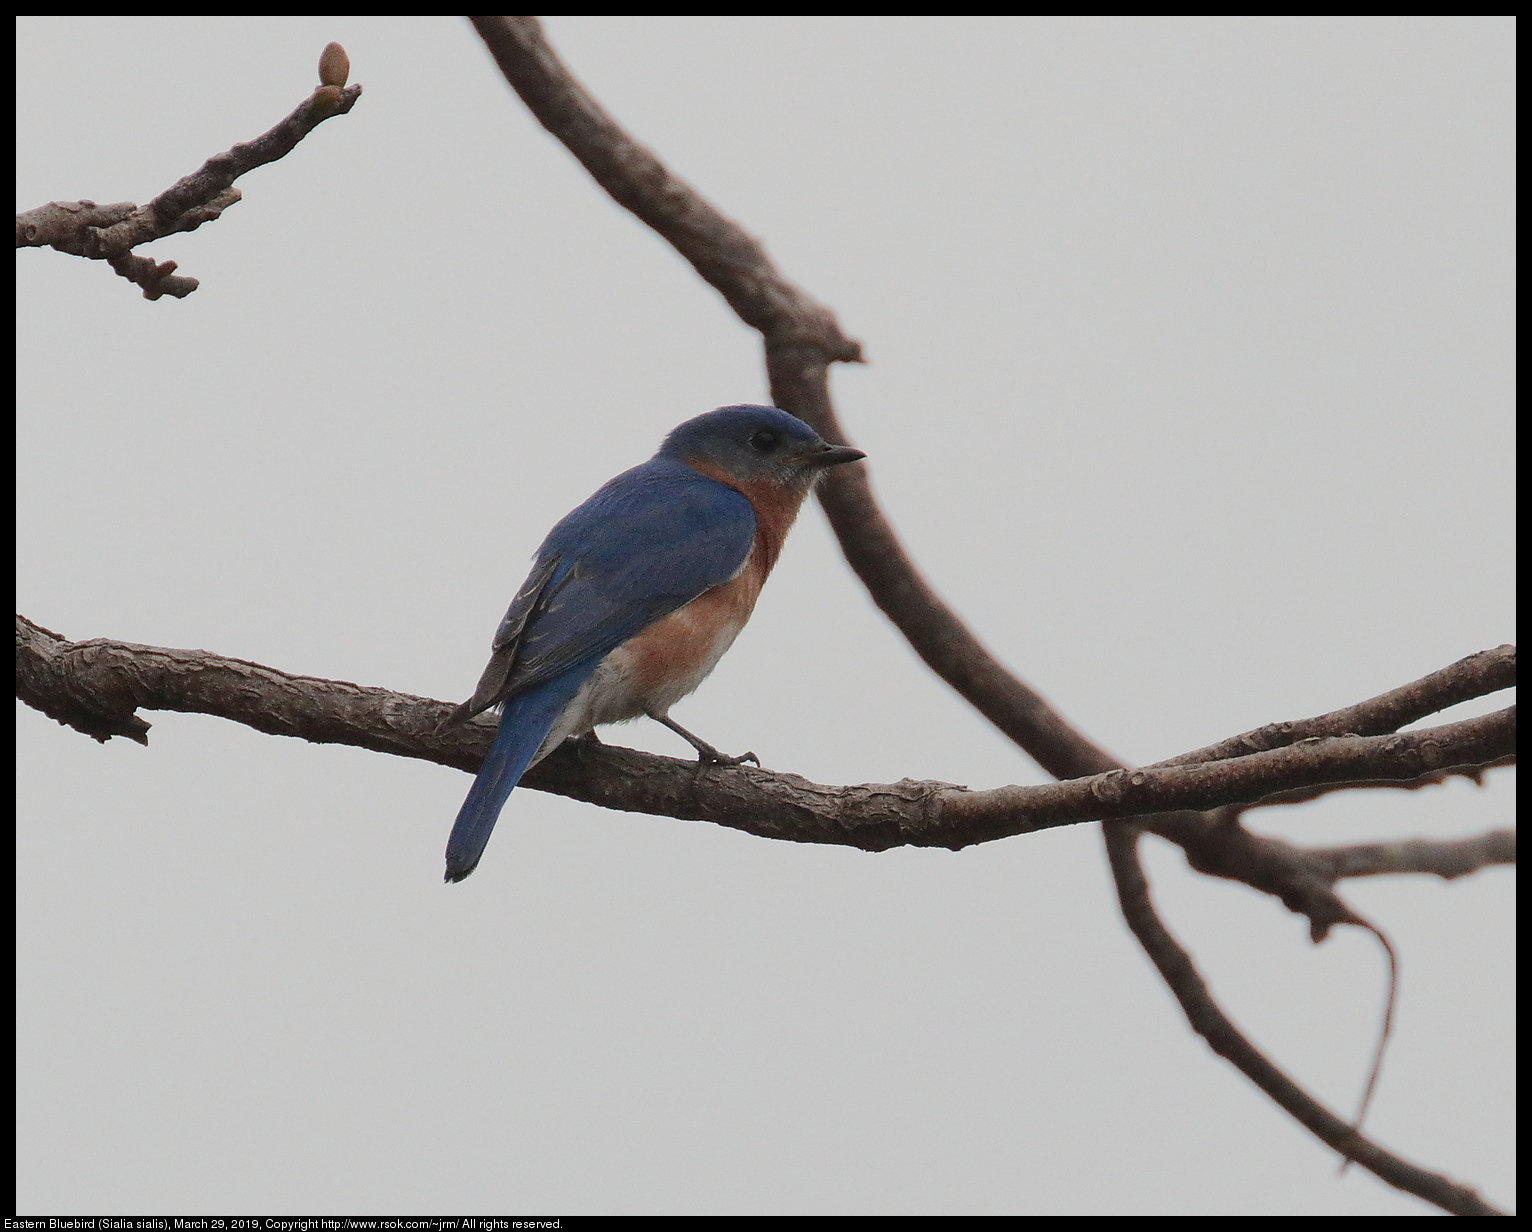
(634, 597)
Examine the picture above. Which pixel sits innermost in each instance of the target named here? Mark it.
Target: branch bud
(334, 65)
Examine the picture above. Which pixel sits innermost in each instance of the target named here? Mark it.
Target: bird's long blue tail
(525, 720)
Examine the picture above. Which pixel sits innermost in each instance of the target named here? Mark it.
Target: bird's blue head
(753, 444)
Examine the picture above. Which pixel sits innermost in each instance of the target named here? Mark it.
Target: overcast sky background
(1190, 387)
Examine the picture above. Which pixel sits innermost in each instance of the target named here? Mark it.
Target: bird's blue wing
(647, 543)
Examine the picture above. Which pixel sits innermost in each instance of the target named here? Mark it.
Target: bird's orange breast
(674, 655)
(671, 657)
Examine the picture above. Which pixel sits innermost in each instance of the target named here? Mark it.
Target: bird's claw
(710, 756)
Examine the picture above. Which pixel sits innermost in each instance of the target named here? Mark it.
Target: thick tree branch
(46, 680)
(110, 232)
(97, 686)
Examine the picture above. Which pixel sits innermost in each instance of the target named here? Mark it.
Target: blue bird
(635, 596)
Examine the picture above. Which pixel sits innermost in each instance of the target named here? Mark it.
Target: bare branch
(1485, 672)
(1302, 795)
(45, 682)
(97, 686)
(1488, 671)
(1219, 848)
(1385, 1031)
(1202, 1012)
(1445, 858)
(1205, 785)
(111, 232)
(722, 252)
(61, 222)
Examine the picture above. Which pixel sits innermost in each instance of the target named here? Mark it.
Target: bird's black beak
(829, 455)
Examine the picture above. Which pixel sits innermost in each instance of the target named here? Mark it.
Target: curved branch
(1202, 1012)
(110, 232)
(724, 254)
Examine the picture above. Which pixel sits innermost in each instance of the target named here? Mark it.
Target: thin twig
(1444, 858)
(1488, 671)
(110, 232)
(1385, 1031)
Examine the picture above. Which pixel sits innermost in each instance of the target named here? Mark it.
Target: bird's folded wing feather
(646, 544)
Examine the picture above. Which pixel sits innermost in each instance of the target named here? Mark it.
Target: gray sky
(1190, 387)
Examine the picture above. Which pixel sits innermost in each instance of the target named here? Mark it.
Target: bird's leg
(706, 753)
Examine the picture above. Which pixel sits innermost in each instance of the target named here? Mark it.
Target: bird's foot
(707, 755)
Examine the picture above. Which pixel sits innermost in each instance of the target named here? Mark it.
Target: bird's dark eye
(763, 442)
